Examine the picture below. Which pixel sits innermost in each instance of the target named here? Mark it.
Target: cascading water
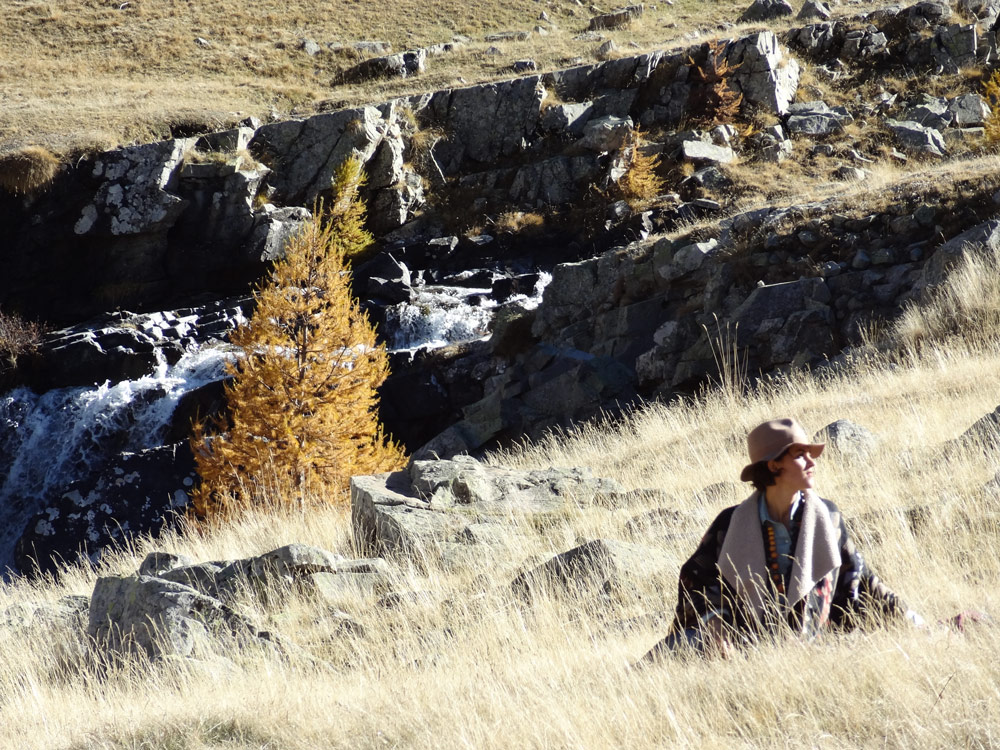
(47, 441)
(440, 315)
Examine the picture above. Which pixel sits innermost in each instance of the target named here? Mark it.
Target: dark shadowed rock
(766, 10)
(140, 493)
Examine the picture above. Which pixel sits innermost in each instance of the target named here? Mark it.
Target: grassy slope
(558, 675)
(83, 74)
(78, 74)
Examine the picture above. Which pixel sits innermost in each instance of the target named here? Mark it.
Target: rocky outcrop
(442, 512)
(136, 494)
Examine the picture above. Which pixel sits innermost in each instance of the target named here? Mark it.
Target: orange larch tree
(303, 400)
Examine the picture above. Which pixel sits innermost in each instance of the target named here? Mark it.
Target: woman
(781, 557)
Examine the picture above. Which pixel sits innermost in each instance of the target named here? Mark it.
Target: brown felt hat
(771, 439)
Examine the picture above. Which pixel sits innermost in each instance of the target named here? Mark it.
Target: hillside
(455, 658)
(607, 243)
(87, 75)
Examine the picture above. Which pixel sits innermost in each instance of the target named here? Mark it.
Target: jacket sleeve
(859, 592)
(700, 594)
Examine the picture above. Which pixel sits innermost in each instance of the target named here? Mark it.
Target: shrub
(18, 338)
(991, 92)
(713, 101)
(28, 170)
(303, 400)
(640, 182)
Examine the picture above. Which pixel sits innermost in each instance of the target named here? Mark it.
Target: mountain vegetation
(302, 405)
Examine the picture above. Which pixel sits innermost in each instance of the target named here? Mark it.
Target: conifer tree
(302, 402)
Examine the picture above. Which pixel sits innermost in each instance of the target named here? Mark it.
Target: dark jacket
(839, 598)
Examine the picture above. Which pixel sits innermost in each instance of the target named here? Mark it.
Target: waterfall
(440, 315)
(48, 441)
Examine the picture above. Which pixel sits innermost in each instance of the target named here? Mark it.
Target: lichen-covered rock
(139, 493)
(135, 195)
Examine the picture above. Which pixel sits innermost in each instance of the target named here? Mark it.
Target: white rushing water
(442, 315)
(50, 440)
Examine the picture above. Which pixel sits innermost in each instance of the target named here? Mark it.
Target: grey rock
(617, 19)
(508, 36)
(850, 174)
(567, 117)
(848, 440)
(607, 49)
(157, 563)
(226, 141)
(372, 47)
(273, 228)
(927, 14)
(524, 66)
(606, 134)
(686, 259)
(957, 45)
(944, 258)
(293, 561)
(595, 567)
(415, 514)
(707, 153)
(142, 614)
(305, 154)
(813, 10)
(916, 138)
(767, 76)
(931, 112)
(398, 65)
(969, 110)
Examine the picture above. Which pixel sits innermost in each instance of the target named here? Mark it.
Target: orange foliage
(303, 401)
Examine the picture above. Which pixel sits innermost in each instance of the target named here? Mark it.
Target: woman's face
(794, 470)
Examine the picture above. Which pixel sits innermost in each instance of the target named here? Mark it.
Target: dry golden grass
(83, 75)
(27, 170)
(467, 666)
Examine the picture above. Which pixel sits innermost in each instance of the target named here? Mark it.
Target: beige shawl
(742, 561)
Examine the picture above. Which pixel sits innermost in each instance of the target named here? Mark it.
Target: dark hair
(761, 476)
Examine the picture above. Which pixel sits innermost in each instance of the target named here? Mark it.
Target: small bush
(18, 337)
(641, 182)
(991, 92)
(28, 170)
(713, 100)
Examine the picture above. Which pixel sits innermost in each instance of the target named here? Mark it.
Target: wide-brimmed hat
(771, 439)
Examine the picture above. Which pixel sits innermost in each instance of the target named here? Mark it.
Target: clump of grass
(966, 307)
(28, 170)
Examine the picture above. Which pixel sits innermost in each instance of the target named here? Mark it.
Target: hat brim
(813, 449)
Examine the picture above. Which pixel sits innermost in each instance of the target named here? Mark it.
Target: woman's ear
(773, 467)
